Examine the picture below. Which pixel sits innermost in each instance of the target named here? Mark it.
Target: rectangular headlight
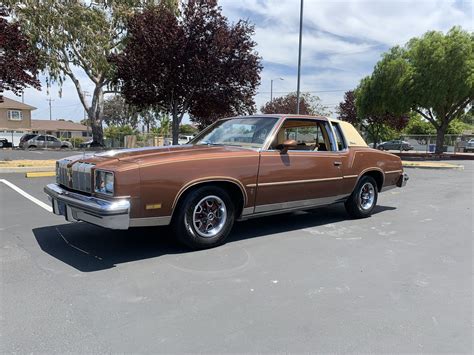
(104, 182)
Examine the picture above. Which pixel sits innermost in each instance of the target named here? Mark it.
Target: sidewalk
(432, 156)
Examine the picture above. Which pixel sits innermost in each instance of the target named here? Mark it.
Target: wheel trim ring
(367, 196)
(209, 216)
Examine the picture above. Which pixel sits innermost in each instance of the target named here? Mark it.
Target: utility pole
(271, 87)
(299, 61)
(50, 115)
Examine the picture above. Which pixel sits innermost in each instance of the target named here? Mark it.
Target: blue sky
(342, 41)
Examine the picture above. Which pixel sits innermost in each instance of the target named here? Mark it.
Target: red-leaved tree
(309, 105)
(373, 125)
(18, 59)
(194, 62)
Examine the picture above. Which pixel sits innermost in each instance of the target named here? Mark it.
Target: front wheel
(204, 218)
(363, 199)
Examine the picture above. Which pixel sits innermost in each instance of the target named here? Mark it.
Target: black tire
(355, 206)
(32, 147)
(63, 147)
(184, 220)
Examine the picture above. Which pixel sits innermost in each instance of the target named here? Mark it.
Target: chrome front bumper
(402, 181)
(77, 207)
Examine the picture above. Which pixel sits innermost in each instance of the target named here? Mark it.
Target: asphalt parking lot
(400, 281)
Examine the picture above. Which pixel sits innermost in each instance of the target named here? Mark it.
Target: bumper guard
(77, 207)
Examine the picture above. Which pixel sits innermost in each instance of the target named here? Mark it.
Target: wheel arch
(234, 187)
(377, 174)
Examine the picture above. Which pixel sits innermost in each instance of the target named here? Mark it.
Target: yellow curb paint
(40, 174)
(431, 165)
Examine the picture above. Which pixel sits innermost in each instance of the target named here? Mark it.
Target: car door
(307, 176)
(53, 142)
(40, 142)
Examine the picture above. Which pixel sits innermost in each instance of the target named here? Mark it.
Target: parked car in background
(26, 137)
(182, 139)
(90, 144)
(4, 143)
(43, 141)
(237, 168)
(395, 145)
(469, 148)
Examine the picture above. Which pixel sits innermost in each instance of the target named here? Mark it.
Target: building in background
(15, 121)
(60, 128)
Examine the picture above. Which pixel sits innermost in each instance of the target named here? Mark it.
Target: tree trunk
(175, 128)
(440, 133)
(95, 115)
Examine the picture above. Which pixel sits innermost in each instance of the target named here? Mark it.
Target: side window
(51, 139)
(341, 145)
(40, 138)
(310, 135)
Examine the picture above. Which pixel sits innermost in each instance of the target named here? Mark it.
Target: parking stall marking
(27, 195)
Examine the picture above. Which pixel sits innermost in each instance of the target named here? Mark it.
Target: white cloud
(342, 42)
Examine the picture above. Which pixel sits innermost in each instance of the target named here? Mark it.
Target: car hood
(115, 158)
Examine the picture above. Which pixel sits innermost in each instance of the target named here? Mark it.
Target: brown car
(238, 168)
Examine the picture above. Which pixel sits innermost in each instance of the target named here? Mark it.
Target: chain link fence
(453, 143)
(137, 141)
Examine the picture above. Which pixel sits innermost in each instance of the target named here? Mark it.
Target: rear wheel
(32, 147)
(363, 199)
(204, 218)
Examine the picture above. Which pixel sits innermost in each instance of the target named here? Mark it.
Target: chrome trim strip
(394, 171)
(251, 185)
(247, 211)
(298, 181)
(298, 205)
(150, 221)
(350, 176)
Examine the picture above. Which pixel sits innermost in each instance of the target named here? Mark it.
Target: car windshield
(248, 132)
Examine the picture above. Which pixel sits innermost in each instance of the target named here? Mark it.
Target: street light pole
(299, 61)
(271, 87)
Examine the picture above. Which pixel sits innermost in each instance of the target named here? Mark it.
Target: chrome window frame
(208, 128)
(283, 119)
(346, 145)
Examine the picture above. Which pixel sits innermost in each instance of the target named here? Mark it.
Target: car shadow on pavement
(88, 248)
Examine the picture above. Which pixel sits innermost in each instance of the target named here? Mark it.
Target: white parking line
(27, 195)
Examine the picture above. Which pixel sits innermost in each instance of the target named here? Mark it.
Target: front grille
(81, 176)
(62, 177)
(77, 177)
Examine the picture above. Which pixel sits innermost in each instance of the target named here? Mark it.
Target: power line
(311, 92)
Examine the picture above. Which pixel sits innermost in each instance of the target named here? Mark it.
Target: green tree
(376, 127)
(432, 75)
(165, 126)
(75, 40)
(118, 113)
(187, 129)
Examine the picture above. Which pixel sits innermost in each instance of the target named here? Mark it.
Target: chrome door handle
(337, 163)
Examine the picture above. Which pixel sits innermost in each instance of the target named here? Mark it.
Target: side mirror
(290, 143)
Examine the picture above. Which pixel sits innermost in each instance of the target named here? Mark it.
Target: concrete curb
(27, 169)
